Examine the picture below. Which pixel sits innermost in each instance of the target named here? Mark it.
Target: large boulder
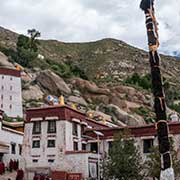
(123, 116)
(32, 93)
(4, 61)
(117, 101)
(53, 83)
(90, 87)
(97, 98)
(77, 100)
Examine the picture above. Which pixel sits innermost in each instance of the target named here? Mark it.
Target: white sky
(89, 20)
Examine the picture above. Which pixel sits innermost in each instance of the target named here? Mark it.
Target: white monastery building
(11, 133)
(60, 141)
(10, 92)
(11, 137)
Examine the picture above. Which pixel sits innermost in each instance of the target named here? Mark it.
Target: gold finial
(61, 100)
(90, 115)
(73, 106)
(104, 120)
(18, 68)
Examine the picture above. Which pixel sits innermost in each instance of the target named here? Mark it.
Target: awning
(4, 148)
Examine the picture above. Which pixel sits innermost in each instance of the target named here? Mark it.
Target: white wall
(44, 152)
(64, 142)
(7, 82)
(8, 138)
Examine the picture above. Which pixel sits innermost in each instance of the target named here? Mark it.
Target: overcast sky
(89, 20)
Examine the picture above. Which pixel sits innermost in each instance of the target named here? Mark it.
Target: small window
(10, 97)
(11, 88)
(2, 87)
(50, 160)
(35, 160)
(51, 126)
(2, 77)
(75, 144)
(1, 105)
(10, 106)
(13, 148)
(37, 127)
(75, 129)
(110, 145)
(20, 149)
(147, 145)
(1, 97)
(84, 147)
(51, 143)
(94, 147)
(11, 78)
(36, 144)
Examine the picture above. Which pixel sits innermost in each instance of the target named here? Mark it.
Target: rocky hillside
(93, 77)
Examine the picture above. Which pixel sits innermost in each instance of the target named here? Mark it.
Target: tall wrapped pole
(167, 172)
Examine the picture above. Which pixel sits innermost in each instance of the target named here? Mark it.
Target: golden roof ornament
(61, 100)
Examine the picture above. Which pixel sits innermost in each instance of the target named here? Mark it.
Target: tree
(27, 48)
(124, 160)
(153, 162)
(33, 41)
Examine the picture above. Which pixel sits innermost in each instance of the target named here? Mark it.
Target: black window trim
(34, 128)
(36, 146)
(48, 143)
(48, 127)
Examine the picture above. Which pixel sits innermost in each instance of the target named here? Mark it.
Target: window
(35, 160)
(1, 97)
(11, 78)
(20, 149)
(50, 160)
(36, 144)
(75, 129)
(11, 88)
(1, 105)
(75, 144)
(51, 126)
(94, 147)
(2, 77)
(84, 147)
(10, 106)
(37, 127)
(2, 87)
(110, 144)
(51, 143)
(13, 148)
(147, 144)
(10, 97)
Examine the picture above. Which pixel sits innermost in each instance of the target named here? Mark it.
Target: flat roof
(10, 72)
(62, 111)
(136, 131)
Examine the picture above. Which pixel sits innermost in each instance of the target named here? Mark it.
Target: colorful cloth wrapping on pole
(157, 88)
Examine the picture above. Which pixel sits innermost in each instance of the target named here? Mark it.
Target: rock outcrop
(125, 117)
(88, 86)
(32, 93)
(77, 100)
(4, 61)
(53, 83)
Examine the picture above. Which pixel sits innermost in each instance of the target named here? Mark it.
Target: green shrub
(176, 107)
(145, 113)
(141, 81)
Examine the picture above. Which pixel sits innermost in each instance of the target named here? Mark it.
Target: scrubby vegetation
(145, 113)
(141, 81)
(124, 161)
(26, 49)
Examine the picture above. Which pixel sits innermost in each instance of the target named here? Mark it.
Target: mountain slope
(106, 64)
